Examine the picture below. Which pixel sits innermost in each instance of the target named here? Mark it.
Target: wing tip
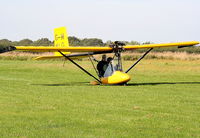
(8, 49)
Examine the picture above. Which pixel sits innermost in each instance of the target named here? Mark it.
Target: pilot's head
(104, 57)
(109, 59)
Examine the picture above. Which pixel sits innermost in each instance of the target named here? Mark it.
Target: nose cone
(116, 78)
(124, 77)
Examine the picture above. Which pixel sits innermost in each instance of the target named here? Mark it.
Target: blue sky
(139, 20)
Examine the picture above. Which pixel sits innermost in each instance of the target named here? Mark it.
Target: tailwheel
(95, 83)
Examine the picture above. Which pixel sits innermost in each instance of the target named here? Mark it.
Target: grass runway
(45, 99)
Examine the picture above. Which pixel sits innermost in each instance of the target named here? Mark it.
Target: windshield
(110, 69)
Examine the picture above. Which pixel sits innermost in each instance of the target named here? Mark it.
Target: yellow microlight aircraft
(116, 74)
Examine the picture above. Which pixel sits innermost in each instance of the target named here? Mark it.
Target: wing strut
(138, 60)
(79, 66)
(93, 66)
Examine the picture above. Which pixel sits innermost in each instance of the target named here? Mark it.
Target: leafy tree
(147, 42)
(74, 41)
(42, 42)
(15, 43)
(25, 42)
(92, 42)
(133, 43)
(5, 42)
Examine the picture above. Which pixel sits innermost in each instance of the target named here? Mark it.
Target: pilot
(101, 66)
(108, 67)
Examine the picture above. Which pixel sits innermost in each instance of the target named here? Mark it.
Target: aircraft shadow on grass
(65, 84)
(129, 84)
(160, 83)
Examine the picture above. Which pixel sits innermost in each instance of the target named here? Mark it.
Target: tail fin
(61, 39)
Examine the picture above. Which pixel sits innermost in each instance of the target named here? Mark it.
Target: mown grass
(45, 99)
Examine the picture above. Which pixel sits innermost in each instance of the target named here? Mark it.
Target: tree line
(73, 41)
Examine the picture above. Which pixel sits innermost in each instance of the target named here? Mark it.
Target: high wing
(179, 44)
(63, 49)
(101, 49)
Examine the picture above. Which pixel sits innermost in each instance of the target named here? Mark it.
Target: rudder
(61, 39)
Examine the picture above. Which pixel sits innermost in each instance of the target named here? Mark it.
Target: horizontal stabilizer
(72, 56)
(47, 57)
(75, 56)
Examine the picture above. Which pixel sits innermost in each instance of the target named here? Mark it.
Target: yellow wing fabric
(132, 47)
(63, 49)
(100, 49)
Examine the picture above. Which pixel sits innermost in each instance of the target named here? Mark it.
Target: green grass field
(45, 99)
